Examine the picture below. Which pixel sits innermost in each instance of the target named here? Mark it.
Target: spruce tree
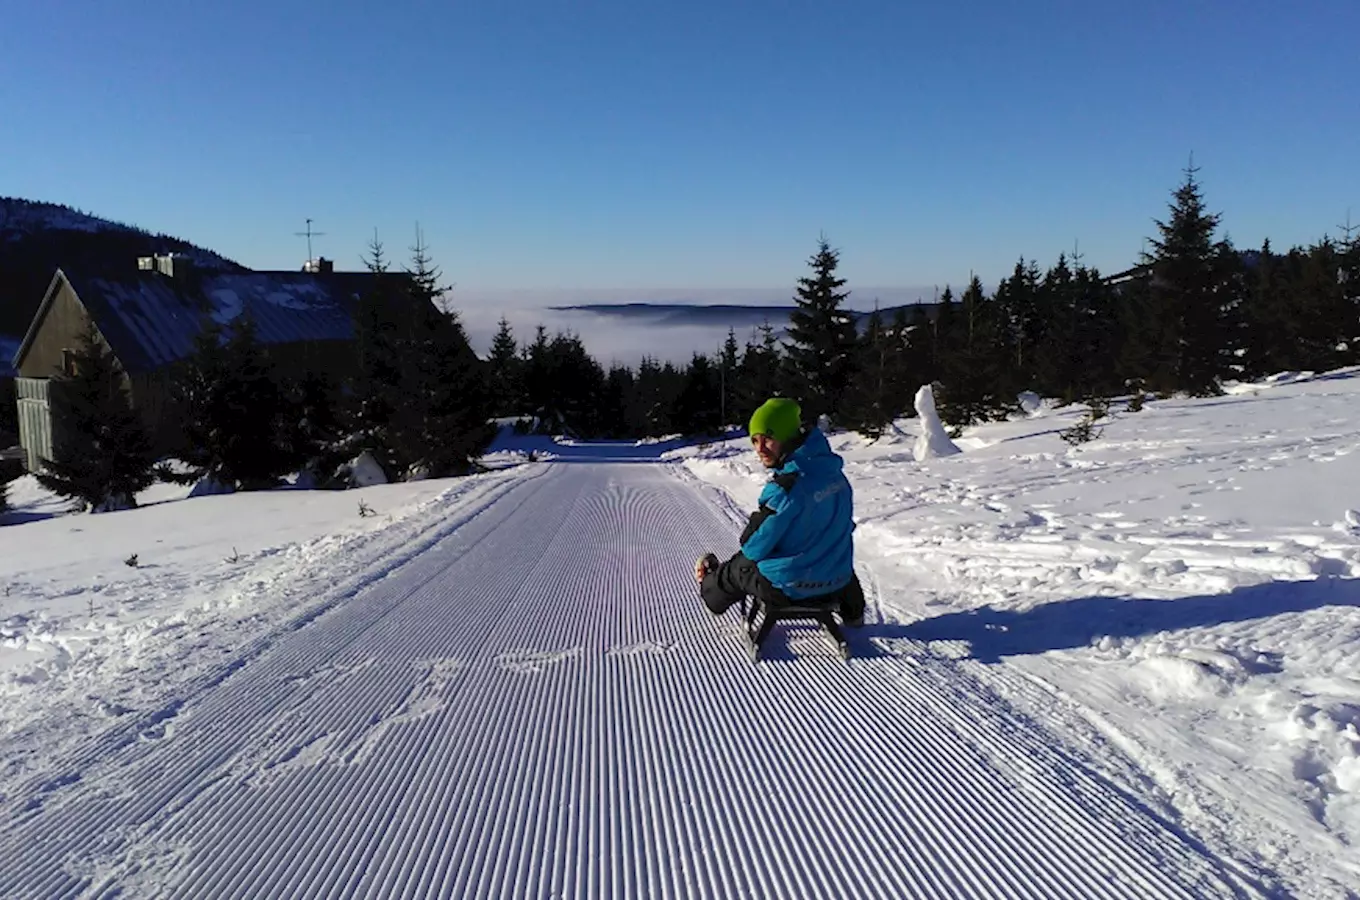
(1022, 315)
(503, 371)
(1324, 315)
(1231, 289)
(728, 361)
(1096, 335)
(920, 365)
(1268, 337)
(443, 421)
(262, 410)
(104, 456)
(672, 383)
(822, 338)
(655, 398)
(947, 341)
(974, 374)
(1145, 358)
(945, 334)
(1053, 370)
(868, 402)
(310, 438)
(577, 382)
(1350, 294)
(619, 386)
(696, 406)
(1183, 296)
(234, 407)
(906, 371)
(537, 380)
(649, 414)
(376, 390)
(760, 373)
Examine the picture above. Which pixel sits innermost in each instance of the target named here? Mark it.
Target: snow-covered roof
(151, 320)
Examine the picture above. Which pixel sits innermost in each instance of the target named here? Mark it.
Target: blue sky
(603, 144)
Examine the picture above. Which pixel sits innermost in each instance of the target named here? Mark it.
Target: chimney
(171, 265)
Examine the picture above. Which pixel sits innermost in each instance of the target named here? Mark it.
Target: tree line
(1194, 312)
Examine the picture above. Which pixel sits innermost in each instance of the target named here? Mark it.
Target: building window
(68, 362)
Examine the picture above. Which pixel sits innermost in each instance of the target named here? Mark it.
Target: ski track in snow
(538, 705)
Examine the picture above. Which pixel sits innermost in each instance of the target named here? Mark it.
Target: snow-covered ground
(86, 636)
(1171, 611)
(533, 703)
(1181, 591)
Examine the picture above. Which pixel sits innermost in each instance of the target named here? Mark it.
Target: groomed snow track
(538, 706)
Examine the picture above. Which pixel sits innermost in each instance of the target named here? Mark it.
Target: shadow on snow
(549, 449)
(1069, 624)
(991, 634)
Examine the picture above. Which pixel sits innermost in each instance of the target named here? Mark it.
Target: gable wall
(61, 329)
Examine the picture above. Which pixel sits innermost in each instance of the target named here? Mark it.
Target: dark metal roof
(150, 320)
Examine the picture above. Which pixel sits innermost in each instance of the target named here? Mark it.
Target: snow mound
(1030, 403)
(1322, 744)
(1188, 675)
(364, 471)
(933, 441)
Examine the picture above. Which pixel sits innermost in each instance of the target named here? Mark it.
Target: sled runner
(822, 613)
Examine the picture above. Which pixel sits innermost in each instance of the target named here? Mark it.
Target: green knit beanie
(779, 417)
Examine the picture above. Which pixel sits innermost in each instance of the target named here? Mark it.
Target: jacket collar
(788, 450)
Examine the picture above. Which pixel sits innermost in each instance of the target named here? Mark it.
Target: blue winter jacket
(804, 543)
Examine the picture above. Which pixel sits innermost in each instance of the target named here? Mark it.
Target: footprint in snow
(954, 650)
(531, 662)
(643, 648)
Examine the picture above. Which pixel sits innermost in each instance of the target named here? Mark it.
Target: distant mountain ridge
(721, 314)
(36, 238)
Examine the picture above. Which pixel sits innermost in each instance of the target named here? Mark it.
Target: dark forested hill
(37, 237)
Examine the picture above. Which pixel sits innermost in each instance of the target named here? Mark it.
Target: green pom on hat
(779, 417)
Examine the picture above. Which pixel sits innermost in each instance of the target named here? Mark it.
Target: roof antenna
(309, 234)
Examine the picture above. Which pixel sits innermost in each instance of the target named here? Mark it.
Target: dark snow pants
(738, 577)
